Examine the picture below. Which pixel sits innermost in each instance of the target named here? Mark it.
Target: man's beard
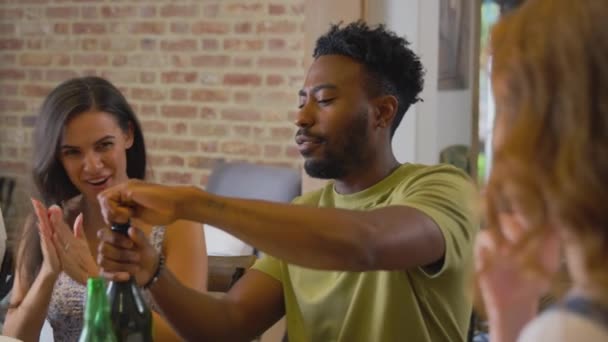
(343, 155)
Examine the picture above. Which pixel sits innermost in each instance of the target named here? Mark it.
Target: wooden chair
(225, 271)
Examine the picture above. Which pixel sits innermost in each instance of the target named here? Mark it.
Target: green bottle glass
(131, 317)
(97, 324)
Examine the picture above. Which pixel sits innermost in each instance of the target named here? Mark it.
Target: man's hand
(142, 202)
(120, 256)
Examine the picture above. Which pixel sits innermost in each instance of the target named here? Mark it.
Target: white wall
(444, 118)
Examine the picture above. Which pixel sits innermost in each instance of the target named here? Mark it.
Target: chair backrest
(7, 186)
(224, 271)
(253, 181)
(250, 181)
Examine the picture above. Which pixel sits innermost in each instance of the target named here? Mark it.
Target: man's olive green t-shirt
(403, 305)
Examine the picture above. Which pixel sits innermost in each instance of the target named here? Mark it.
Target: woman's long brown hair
(550, 77)
(70, 98)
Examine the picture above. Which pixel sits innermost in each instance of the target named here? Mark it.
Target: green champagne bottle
(131, 317)
(97, 323)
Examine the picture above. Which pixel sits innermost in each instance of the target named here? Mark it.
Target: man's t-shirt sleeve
(269, 265)
(446, 195)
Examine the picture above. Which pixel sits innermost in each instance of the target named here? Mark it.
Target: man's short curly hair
(393, 68)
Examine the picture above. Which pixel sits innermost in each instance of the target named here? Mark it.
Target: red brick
(209, 146)
(64, 12)
(147, 28)
(8, 89)
(120, 76)
(170, 177)
(181, 45)
(61, 28)
(208, 113)
(173, 10)
(147, 94)
(148, 110)
(35, 59)
(35, 90)
(275, 116)
(243, 44)
(7, 59)
(276, 9)
(34, 75)
(90, 44)
(11, 105)
(89, 28)
(282, 132)
(11, 44)
(210, 61)
(298, 9)
(277, 62)
(276, 27)
(244, 27)
(208, 130)
(276, 44)
(119, 60)
(147, 77)
(272, 151)
(34, 44)
(242, 61)
(9, 121)
(154, 126)
(180, 27)
(199, 162)
(9, 14)
(240, 148)
(211, 10)
(242, 79)
(179, 111)
(166, 160)
(179, 128)
(241, 97)
(91, 60)
(89, 12)
(208, 95)
(13, 166)
(275, 80)
(115, 12)
(148, 44)
(204, 180)
(244, 9)
(118, 44)
(242, 131)
(240, 115)
(12, 74)
(210, 27)
(179, 94)
(147, 11)
(7, 29)
(58, 75)
(177, 145)
(60, 43)
(178, 77)
(179, 61)
(210, 44)
(296, 81)
(292, 151)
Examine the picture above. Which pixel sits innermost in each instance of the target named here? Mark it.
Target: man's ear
(385, 110)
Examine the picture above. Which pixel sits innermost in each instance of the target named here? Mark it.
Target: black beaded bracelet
(156, 275)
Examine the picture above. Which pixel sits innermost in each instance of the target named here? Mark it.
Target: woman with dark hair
(547, 194)
(86, 139)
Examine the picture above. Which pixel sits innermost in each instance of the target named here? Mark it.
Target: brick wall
(209, 79)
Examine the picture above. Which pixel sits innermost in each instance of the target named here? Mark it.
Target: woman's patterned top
(66, 309)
